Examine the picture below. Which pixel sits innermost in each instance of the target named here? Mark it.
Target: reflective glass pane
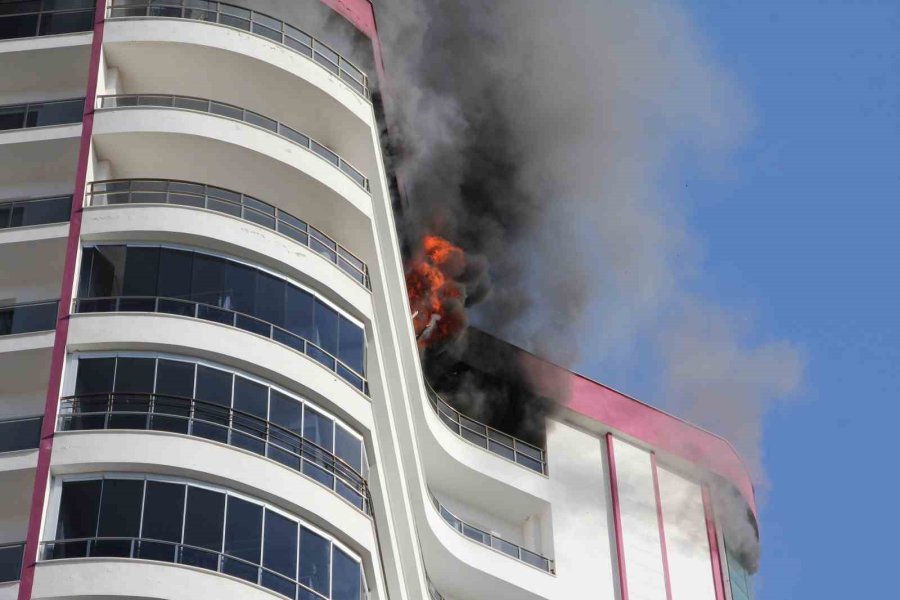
(298, 312)
(120, 508)
(269, 301)
(141, 267)
(175, 272)
(213, 388)
(174, 382)
(315, 563)
(243, 537)
(204, 518)
(326, 328)
(250, 428)
(351, 345)
(208, 280)
(318, 428)
(163, 511)
(348, 447)
(346, 577)
(280, 545)
(79, 507)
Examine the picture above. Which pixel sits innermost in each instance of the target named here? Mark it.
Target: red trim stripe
(57, 363)
(617, 515)
(715, 556)
(662, 529)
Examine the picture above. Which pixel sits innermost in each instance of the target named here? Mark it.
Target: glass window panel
(55, 210)
(107, 271)
(213, 387)
(133, 376)
(280, 545)
(315, 567)
(326, 328)
(163, 511)
(204, 518)
(95, 375)
(270, 298)
(84, 277)
(175, 273)
(12, 117)
(251, 398)
(351, 345)
(286, 412)
(208, 280)
(120, 508)
(141, 267)
(298, 312)
(243, 536)
(191, 104)
(174, 380)
(226, 110)
(348, 448)
(346, 577)
(240, 286)
(79, 507)
(318, 428)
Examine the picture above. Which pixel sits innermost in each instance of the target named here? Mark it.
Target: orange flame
(435, 298)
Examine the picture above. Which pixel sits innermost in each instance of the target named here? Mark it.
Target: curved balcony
(249, 21)
(11, 561)
(513, 449)
(235, 113)
(34, 211)
(492, 541)
(188, 416)
(236, 204)
(28, 317)
(224, 316)
(33, 18)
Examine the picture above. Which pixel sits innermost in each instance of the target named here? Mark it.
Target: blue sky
(804, 233)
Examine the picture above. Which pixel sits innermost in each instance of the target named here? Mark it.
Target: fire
(435, 297)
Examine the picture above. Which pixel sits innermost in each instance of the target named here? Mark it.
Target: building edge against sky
(211, 385)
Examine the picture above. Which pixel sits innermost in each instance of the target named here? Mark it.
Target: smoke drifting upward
(537, 135)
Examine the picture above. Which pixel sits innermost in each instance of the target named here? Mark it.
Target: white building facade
(209, 382)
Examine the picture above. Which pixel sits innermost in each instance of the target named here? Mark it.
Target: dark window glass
(315, 567)
(120, 516)
(298, 313)
(287, 414)
(163, 518)
(253, 399)
(348, 448)
(350, 345)
(175, 270)
(243, 538)
(93, 384)
(269, 302)
(318, 428)
(134, 383)
(141, 265)
(241, 288)
(326, 328)
(346, 577)
(203, 524)
(107, 270)
(78, 510)
(213, 388)
(280, 545)
(174, 382)
(208, 281)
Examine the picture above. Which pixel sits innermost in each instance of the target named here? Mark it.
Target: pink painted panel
(659, 430)
(60, 339)
(662, 529)
(715, 555)
(617, 515)
(358, 12)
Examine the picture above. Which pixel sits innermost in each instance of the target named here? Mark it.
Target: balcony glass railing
(492, 541)
(31, 18)
(23, 433)
(236, 204)
(35, 211)
(522, 453)
(230, 111)
(224, 316)
(160, 412)
(185, 554)
(11, 561)
(252, 22)
(28, 318)
(41, 114)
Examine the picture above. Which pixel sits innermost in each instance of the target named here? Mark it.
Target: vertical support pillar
(60, 339)
(617, 515)
(662, 529)
(715, 554)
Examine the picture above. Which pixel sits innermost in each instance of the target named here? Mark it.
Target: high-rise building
(210, 386)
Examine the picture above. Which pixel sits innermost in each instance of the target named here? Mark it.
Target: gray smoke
(536, 135)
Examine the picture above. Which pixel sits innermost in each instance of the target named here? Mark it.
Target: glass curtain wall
(213, 529)
(131, 380)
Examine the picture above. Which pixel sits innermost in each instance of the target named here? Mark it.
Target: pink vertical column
(715, 555)
(617, 515)
(58, 357)
(662, 529)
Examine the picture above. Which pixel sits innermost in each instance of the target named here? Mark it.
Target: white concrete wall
(687, 542)
(640, 523)
(582, 527)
